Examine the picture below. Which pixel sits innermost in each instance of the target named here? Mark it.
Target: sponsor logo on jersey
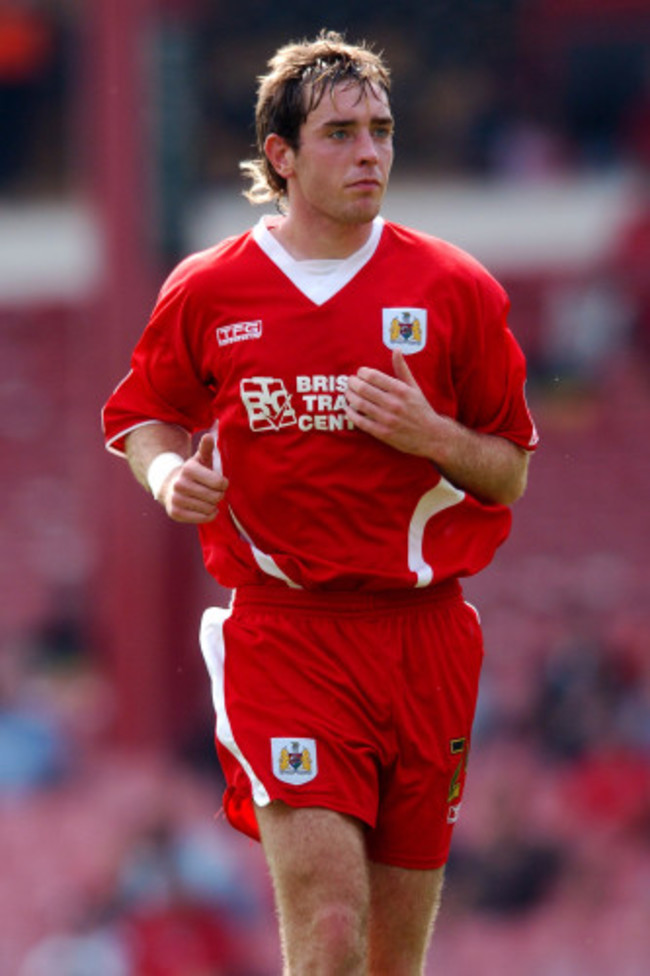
(404, 328)
(317, 402)
(294, 760)
(239, 332)
(268, 403)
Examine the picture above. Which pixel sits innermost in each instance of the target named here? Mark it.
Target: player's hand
(393, 408)
(192, 492)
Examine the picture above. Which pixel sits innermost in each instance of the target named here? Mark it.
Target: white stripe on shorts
(214, 654)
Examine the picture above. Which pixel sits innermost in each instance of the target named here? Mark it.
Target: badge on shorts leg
(457, 747)
(294, 760)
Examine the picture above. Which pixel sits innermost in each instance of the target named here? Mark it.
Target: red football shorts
(358, 702)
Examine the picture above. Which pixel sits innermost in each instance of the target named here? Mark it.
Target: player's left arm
(395, 410)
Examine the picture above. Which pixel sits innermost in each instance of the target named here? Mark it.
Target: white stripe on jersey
(436, 500)
(265, 562)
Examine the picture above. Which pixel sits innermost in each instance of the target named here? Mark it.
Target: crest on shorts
(457, 747)
(404, 328)
(294, 760)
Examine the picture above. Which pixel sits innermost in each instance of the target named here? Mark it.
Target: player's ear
(279, 154)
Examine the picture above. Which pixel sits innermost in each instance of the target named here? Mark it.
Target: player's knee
(338, 930)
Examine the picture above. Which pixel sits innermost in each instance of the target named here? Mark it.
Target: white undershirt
(318, 279)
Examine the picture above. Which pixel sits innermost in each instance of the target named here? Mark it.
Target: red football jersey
(245, 335)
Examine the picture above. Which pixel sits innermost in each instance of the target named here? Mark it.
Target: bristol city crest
(404, 328)
(294, 760)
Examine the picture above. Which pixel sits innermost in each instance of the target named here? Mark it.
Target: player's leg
(319, 870)
(403, 908)
(422, 791)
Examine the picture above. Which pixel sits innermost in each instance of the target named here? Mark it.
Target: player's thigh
(318, 865)
(403, 908)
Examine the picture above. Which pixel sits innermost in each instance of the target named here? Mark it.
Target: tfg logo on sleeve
(239, 332)
(404, 328)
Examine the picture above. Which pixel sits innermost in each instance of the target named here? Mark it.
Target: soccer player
(358, 402)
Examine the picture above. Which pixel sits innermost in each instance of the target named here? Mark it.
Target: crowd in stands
(113, 862)
(481, 87)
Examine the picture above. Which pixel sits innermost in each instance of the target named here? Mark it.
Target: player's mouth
(367, 183)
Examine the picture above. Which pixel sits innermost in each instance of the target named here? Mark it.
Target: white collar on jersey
(318, 280)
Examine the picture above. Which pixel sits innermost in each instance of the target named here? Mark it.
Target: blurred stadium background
(524, 136)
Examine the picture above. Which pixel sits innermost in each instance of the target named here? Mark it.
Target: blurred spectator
(587, 329)
(27, 45)
(583, 692)
(611, 789)
(54, 703)
(473, 96)
(631, 268)
(60, 678)
(97, 952)
(180, 899)
(34, 752)
(517, 90)
(180, 938)
(167, 895)
(634, 131)
(165, 858)
(513, 869)
(523, 149)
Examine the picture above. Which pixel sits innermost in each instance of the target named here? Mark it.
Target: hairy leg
(403, 908)
(319, 871)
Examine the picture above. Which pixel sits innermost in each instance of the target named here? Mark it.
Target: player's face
(341, 168)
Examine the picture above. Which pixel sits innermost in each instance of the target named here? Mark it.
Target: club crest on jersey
(294, 760)
(404, 328)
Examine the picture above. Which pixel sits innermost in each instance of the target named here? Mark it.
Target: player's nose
(366, 147)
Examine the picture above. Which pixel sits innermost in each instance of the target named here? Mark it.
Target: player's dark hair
(300, 74)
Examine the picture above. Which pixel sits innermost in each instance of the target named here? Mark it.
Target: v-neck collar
(318, 280)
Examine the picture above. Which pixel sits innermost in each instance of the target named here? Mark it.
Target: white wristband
(161, 466)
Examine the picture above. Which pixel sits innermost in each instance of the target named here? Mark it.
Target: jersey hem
(344, 601)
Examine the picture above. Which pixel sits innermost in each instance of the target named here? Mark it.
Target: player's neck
(309, 242)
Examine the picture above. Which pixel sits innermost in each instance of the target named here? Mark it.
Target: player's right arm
(188, 486)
